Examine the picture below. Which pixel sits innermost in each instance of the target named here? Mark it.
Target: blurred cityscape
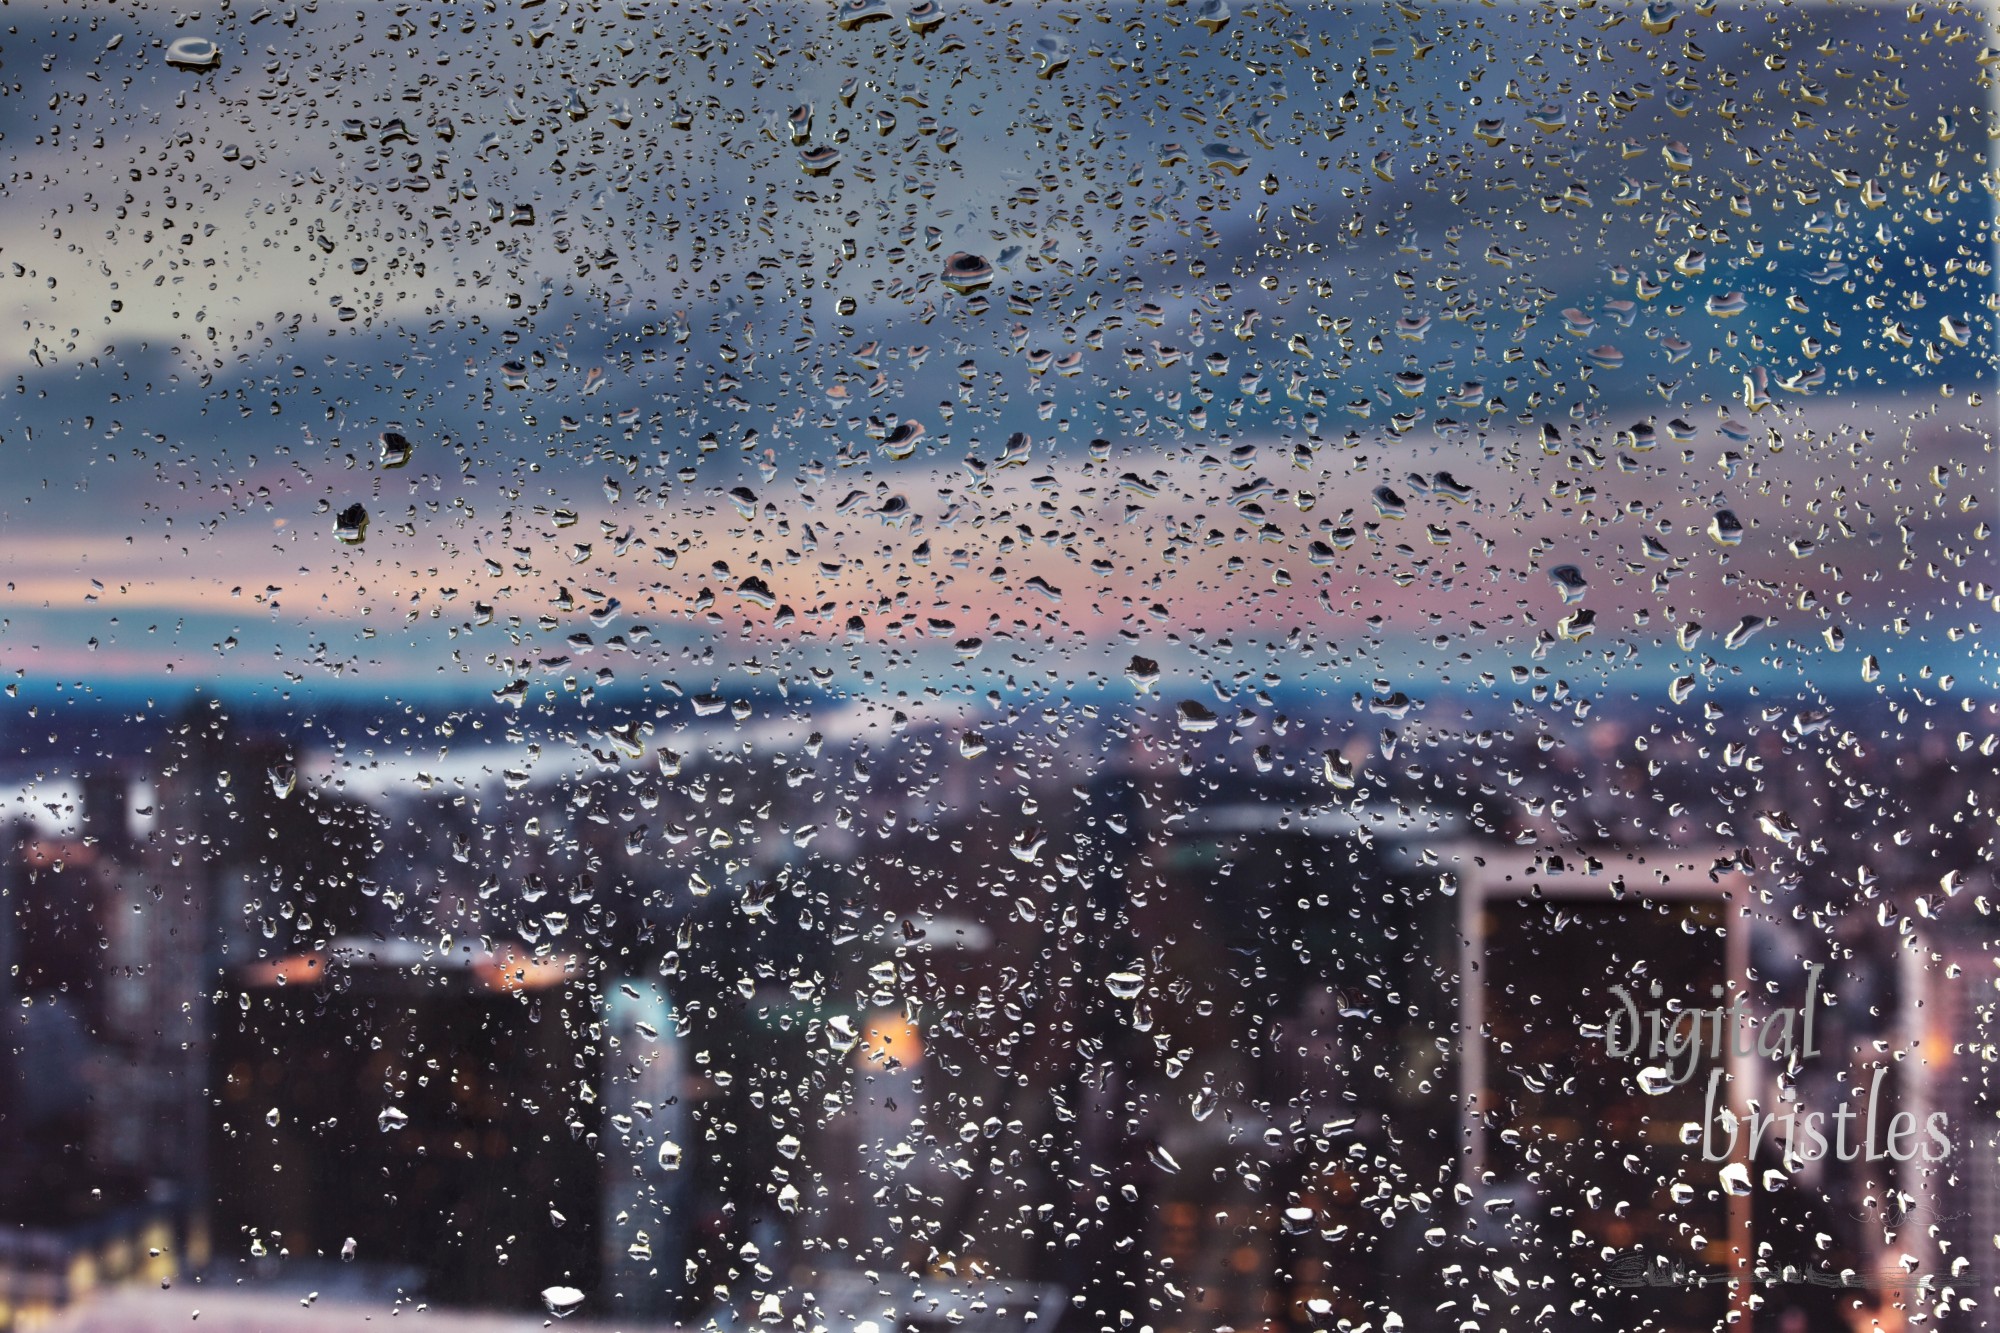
(1065, 1022)
(895, 375)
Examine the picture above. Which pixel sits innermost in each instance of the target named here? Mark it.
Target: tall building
(644, 1221)
(1951, 1209)
(380, 1103)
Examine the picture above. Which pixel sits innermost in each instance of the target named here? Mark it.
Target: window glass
(857, 667)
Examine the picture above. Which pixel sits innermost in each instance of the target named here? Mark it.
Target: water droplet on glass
(351, 526)
(902, 439)
(1744, 630)
(193, 53)
(853, 14)
(1569, 582)
(562, 1301)
(966, 272)
(1226, 157)
(1053, 52)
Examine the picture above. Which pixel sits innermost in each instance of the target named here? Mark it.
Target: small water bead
(351, 527)
(1195, 716)
(1451, 488)
(562, 1301)
(1226, 157)
(1745, 628)
(196, 53)
(903, 439)
(840, 1033)
(854, 14)
(1054, 54)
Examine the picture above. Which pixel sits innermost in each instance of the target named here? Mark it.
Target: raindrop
(965, 272)
(1569, 582)
(1745, 629)
(1125, 985)
(853, 14)
(1225, 156)
(193, 53)
(562, 1301)
(351, 526)
(1196, 716)
(1053, 52)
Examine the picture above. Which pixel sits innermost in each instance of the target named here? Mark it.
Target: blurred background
(891, 665)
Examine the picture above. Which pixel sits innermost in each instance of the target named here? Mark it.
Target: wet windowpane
(892, 665)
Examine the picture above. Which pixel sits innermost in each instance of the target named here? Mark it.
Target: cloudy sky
(654, 295)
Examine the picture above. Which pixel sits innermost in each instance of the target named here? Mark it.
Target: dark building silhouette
(443, 1117)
